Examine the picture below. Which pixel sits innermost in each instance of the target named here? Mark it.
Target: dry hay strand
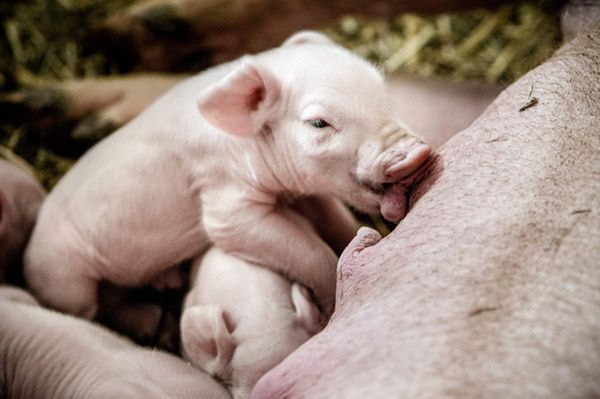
(45, 165)
(43, 40)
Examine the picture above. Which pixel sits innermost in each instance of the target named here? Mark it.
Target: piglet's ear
(308, 37)
(206, 338)
(307, 313)
(240, 103)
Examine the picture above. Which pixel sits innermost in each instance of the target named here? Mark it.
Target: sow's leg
(490, 287)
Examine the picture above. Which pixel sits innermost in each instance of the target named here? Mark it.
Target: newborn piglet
(209, 163)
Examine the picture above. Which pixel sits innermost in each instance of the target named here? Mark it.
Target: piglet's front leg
(332, 220)
(275, 237)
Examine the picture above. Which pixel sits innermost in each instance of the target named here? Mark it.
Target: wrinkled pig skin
(211, 162)
(490, 287)
(48, 355)
(253, 316)
(20, 198)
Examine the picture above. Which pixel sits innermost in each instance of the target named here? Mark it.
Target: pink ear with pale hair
(239, 104)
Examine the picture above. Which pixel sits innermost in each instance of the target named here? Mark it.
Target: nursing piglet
(241, 320)
(20, 199)
(214, 161)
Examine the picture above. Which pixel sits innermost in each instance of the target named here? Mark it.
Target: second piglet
(240, 320)
(20, 199)
(214, 161)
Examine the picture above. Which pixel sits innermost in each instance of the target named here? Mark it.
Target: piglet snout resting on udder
(241, 320)
(388, 171)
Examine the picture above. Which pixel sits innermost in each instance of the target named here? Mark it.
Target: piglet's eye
(318, 123)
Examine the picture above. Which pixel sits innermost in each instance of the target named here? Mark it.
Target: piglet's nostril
(406, 162)
(396, 157)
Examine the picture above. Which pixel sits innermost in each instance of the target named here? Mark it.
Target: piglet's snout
(389, 170)
(403, 159)
(394, 163)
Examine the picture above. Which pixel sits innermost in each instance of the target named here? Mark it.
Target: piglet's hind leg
(59, 282)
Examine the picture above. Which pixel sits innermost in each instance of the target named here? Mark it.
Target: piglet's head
(319, 121)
